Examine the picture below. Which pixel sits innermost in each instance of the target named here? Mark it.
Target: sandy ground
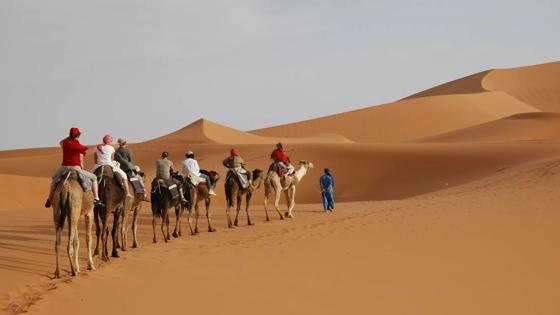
(447, 204)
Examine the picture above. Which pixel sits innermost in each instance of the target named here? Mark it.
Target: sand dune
(205, 131)
(409, 119)
(537, 126)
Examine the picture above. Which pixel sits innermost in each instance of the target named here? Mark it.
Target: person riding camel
(73, 159)
(234, 162)
(281, 161)
(164, 169)
(104, 154)
(191, 170)
(126, 160)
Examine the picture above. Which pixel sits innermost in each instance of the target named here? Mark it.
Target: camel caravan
(115, 188)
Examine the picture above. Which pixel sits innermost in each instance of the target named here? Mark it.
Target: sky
(144, 68)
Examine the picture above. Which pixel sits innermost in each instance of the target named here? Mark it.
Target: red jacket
(279, 155)
(71, 151)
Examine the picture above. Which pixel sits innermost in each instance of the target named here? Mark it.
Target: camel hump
(105, 171)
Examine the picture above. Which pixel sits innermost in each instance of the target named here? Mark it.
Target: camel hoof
(134, 245)
(267, 219)
(175, 235)
(250, 223)
(211, 230)
(91, 268)
(115, 255)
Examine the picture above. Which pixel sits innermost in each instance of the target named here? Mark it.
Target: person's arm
(61, 143)
(81, 160)
(94, 157)
(113, 156)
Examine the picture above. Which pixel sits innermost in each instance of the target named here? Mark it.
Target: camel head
(308, 165)
(214, 175)
(257, 177)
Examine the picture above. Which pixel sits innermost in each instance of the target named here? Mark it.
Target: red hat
(234, 152)
(74, 132)
(107, 139)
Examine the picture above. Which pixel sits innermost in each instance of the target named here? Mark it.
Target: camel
(134, 206)
(161, 202)
(114, 198)
(288, 185)
(233, 190)
(70, 202)
(195, 194)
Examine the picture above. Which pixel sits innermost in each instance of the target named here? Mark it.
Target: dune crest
(538, 126)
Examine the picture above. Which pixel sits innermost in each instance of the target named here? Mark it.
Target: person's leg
(325, 201)
(331, 199)
(54, 180)
(124, 179)
(94, 187)
(209, 183)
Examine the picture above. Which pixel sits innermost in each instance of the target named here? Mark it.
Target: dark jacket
(125, 158)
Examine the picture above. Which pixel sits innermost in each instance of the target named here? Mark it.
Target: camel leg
(207, 203)
(59, 219)
(189, 219)
(89, 226)
(163, 219)
(75, 215)
(154, 218)
(228, 207)
(124, 229)
(104, 236)
(177, 222)
(238, 207)
(70, 248)
(135, 227)
(278, 192)
(181, 208)
(291, 197)
(115, 232)
(266, 193)
(167, 226)
(247, 203)
(196, 213)
(96, 217)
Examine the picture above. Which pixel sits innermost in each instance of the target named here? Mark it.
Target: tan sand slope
(22, 192)
(536, 85)
(534, 88)
(205, 131)
(492, 241)
(409, 119)
(537, 126)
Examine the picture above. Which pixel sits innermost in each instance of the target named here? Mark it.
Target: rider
(236, 164)
(190, 169)
(73, 159)
(104, 154)
(281, 161)
(126, 160)
(164, 168)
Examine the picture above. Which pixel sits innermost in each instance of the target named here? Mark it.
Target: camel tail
(65, 205)
(229, 192)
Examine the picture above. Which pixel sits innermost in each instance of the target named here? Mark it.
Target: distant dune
(408, 119)
(537, 126)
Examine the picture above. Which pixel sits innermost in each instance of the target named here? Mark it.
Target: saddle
(170, 184)
(103, 174)
(242, 178)
(136, 182)
(84, 181)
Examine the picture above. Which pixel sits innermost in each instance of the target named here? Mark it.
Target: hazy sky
(144, 68)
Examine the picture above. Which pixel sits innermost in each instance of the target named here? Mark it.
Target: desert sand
(446, 204)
